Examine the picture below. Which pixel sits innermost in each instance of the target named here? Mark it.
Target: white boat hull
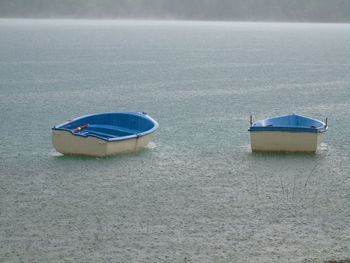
(69, 144)
(275, 141)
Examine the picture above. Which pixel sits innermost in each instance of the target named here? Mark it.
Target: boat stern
(273, 141)
(69, 144)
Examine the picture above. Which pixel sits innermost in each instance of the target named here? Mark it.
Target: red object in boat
(78, 129)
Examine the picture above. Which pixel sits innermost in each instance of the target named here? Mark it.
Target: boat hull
(67, 143)
(274, 141)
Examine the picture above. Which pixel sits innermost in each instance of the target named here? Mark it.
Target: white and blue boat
(289, 133)
(104, 134)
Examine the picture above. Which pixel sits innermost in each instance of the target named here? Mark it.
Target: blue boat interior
(291, 123)
(110, 126)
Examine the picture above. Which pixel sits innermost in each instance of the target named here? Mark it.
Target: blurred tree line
(243, 10)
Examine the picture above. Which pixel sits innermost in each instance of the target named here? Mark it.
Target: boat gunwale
(113, 139)
(288, 128)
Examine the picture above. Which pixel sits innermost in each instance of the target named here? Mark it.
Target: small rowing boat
(104, 134)
(289, 133)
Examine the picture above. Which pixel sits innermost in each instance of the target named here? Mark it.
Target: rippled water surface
(197, 193)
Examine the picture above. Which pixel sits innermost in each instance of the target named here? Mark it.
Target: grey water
(196, 193)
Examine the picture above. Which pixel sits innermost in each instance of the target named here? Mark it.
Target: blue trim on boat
(111, 126)
(289, 123)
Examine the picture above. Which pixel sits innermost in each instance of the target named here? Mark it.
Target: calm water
(197, 193)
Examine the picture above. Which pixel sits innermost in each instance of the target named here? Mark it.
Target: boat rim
(289, 128)
(122, 138)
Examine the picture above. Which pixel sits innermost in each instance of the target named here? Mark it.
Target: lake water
(197, 193)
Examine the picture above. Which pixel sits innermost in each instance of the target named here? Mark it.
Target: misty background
(239, 10)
